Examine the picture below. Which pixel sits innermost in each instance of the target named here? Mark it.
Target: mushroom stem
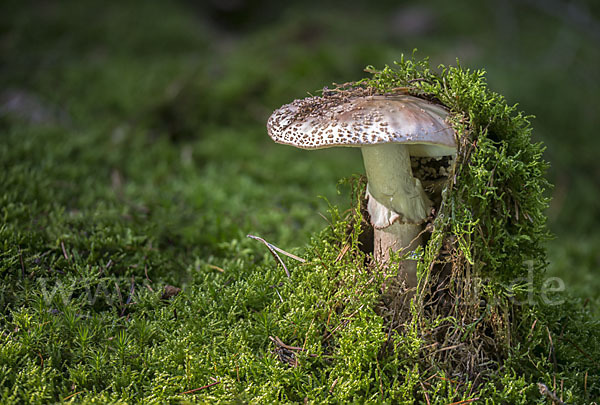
(401, 238)
(397, 204)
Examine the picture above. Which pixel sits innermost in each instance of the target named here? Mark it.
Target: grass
(150, 166)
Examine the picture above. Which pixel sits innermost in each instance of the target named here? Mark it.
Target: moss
(143, 174)
(488, 233)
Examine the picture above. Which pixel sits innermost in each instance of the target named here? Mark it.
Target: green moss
(144, 174)
(493, 223)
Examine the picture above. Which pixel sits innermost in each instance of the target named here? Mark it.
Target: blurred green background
(157, 110)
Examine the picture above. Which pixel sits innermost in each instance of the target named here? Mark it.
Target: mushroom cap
(323, 122)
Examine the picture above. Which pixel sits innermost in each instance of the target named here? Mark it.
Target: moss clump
(485, 316)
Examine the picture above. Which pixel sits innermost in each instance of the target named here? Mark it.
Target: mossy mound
(485, 321)
(487, 235)
(139, 160)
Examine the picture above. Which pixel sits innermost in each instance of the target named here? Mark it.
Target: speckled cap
(323, 122)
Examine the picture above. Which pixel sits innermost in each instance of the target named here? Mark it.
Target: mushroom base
(391, 234)
(401, 238)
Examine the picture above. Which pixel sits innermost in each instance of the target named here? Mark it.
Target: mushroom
(389, 129)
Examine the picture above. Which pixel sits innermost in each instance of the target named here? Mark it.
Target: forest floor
(135, 162)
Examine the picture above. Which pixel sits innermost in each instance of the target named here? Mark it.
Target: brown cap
(323, 122)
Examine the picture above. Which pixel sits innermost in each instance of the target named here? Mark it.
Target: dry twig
(64, 251)
(217, 268)
(72, 395)
(301, 260)
(333, 385)
(466, 401)
(342, 253)
(425, 393)
(274, 249)
(201, 388)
